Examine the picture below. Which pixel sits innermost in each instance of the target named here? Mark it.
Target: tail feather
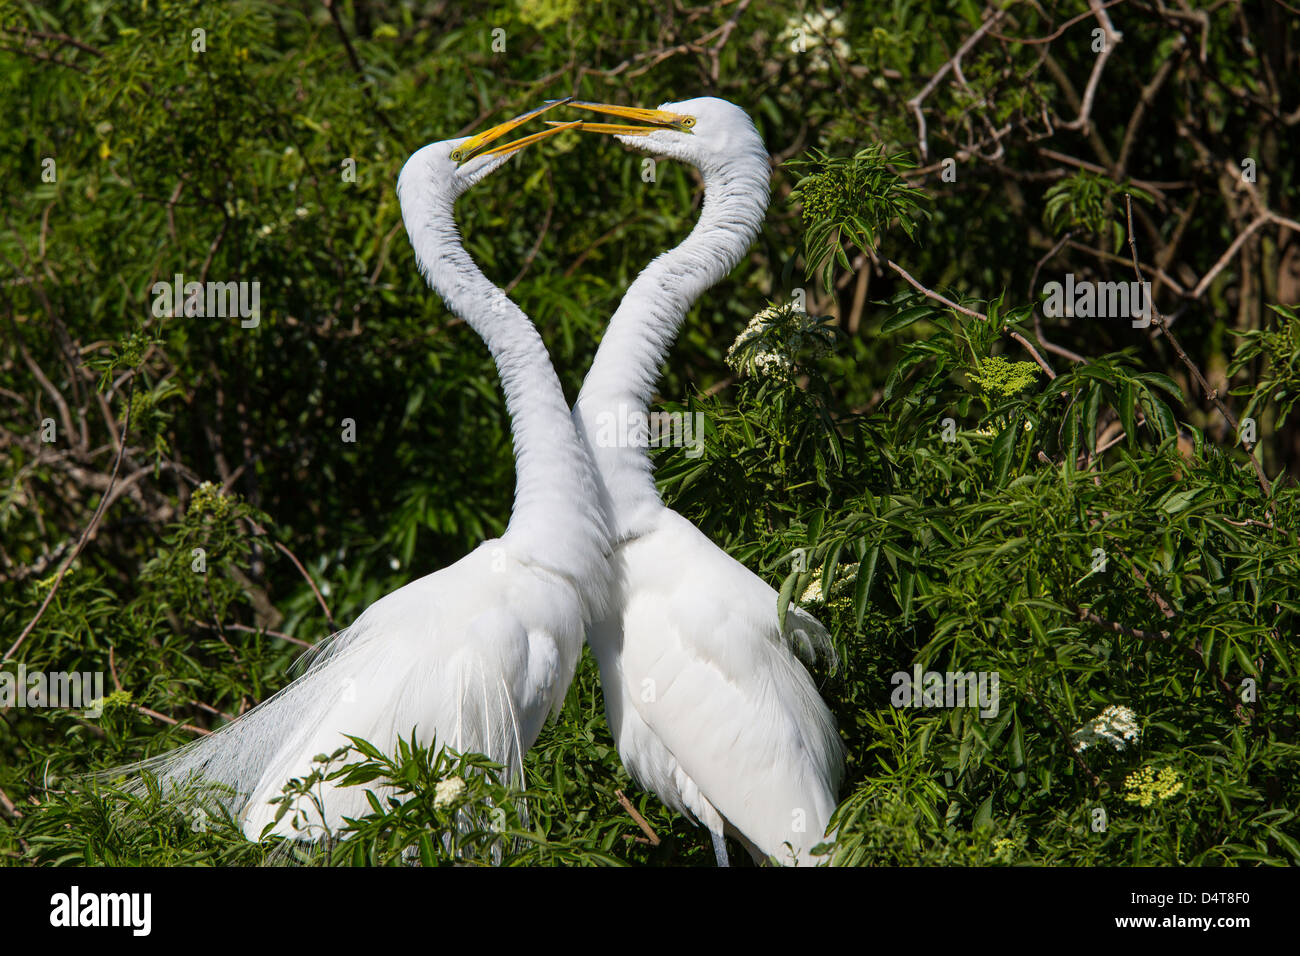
(370, 682)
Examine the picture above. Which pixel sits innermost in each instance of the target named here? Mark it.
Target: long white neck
(612, 407)
(557, 521)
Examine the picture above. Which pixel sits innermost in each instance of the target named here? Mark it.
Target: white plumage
(479, 653)
(708, 702)
(710, 708)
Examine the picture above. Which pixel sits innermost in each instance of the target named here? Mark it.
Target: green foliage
(1091, 203)
(852, 200)
(432, 806)
(1278, 382)
(982, 554)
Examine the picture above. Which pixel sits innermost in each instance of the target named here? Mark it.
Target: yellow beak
(658, 119)
(474, 146)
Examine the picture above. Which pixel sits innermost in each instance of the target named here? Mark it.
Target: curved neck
(556, 521)
(611, 410)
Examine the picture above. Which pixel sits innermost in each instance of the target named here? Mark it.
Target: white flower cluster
(1116, 726)
(448, 792)
(845, 574)
(772, 365)
(813, 32)
(769, 343)
(757, 326)
(766, 363)
(813, 593)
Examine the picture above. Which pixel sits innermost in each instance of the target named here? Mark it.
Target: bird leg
(720, 847)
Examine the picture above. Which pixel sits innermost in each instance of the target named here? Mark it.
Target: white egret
(479, 653)
(709, 707)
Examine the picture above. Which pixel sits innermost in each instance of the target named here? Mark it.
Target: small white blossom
(448, 791)
(757, 326)
(1116, 726)
(781, 332)
(772, 365)
(844, 575)
(815, 29)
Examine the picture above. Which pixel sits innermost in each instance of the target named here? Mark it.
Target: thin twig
(169, 720)
(1033, 352)
(640, 820)
(1092, 778)
(1038, 322)
(1084, 120)
(315, 590)
(1164, 637)
(85, 535)
(931, 294)
(280, 635)
(1030, 41)
(914, 104)
(1227, 255)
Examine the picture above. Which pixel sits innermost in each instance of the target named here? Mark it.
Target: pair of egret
(709, 705)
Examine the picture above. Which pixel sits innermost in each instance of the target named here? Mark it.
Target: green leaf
(984, 815)
(1004, 447)
(1127, 415)
(905, 318)
(1018, 774)
(1176, 501)
(785, 597)
(862, 586)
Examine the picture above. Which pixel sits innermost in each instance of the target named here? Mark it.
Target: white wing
(445, 656)
(711, 697)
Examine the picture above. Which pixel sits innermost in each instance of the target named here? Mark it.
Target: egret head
(706, 132)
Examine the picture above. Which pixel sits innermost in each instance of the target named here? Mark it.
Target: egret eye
(688, 122)
(456, 154)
